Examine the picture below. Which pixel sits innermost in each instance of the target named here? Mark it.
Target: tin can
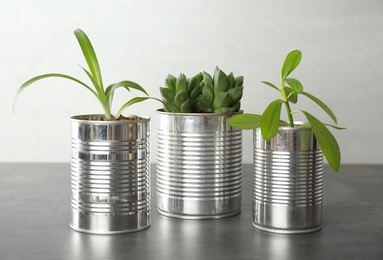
(199, 166)
(110, 175)
(288, 181)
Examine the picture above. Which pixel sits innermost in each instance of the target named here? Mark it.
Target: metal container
(199, 166)
(288, 180)
(110, 175)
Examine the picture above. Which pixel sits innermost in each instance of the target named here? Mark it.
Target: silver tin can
(110, 175)
(199, 166)
(288, 181)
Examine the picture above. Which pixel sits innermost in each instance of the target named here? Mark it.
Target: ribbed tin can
(288, 181)
(199, 166)
(110, 175)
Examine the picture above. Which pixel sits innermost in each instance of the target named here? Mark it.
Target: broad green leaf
(180, 98)
(52, 75)
(221, 81)
(292, 96)
(207, 92)
(236, 94)
(295, 84)
(171, 82)
(238, 81)
(129, 103)
(182, 83)
(245, 121)
(89, 55)
(270, 119)
(221, 100)
(167, 95)
(271, 85)
(291, 62)
(322, 105)
(326, 140)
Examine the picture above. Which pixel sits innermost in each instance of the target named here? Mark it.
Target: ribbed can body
(199, 166)
(288, 181)
(110, 175)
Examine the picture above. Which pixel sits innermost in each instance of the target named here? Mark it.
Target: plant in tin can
(104, 95)
(290, 89)
(202, 93)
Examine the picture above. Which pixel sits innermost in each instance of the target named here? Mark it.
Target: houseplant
(110, 168)
(288, 158)
(199, 156)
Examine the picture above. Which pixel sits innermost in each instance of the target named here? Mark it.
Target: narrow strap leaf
(326, 140)
(129, 103)
(89, 55)
(270, 119)
(126, 84)
(98, 88)
(50, 75)
(322, 105)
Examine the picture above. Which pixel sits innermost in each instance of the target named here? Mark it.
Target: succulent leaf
(171, 82)
(182, 84)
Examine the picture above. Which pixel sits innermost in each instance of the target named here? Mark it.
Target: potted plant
(110, 168)
(199, 156)
(288, 158)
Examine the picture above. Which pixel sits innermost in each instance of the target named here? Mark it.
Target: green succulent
(221, 93)
(202, 93)
(180, 93)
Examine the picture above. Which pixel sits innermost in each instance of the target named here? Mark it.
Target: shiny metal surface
(288, 182)
(110, 175)
(199, 166)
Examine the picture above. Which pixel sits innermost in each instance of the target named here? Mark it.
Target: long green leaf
(50, 75)
(271, 85)
(98, 88)
(326, 140)
(270, 119)
(291, 62)
(126, 84)
(322, 105)
(89, 55)
(129, 103)
(245, 121)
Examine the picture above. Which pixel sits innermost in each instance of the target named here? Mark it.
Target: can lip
(162, 112)
(82, 119)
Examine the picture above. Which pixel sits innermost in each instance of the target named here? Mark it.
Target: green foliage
(202, 93)
(104, 95)
(290, 89)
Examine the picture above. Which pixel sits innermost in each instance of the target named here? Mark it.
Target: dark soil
(103, 118)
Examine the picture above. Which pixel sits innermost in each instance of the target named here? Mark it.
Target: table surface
(35, 213)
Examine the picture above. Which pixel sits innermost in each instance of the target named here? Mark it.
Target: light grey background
(144, 41)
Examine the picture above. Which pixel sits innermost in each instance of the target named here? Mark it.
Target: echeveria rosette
(221, 93)
(202, 93)
(290, 89)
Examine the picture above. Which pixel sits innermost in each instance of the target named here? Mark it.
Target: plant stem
(287, 104)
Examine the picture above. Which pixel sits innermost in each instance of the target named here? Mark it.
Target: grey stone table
(35, 212)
